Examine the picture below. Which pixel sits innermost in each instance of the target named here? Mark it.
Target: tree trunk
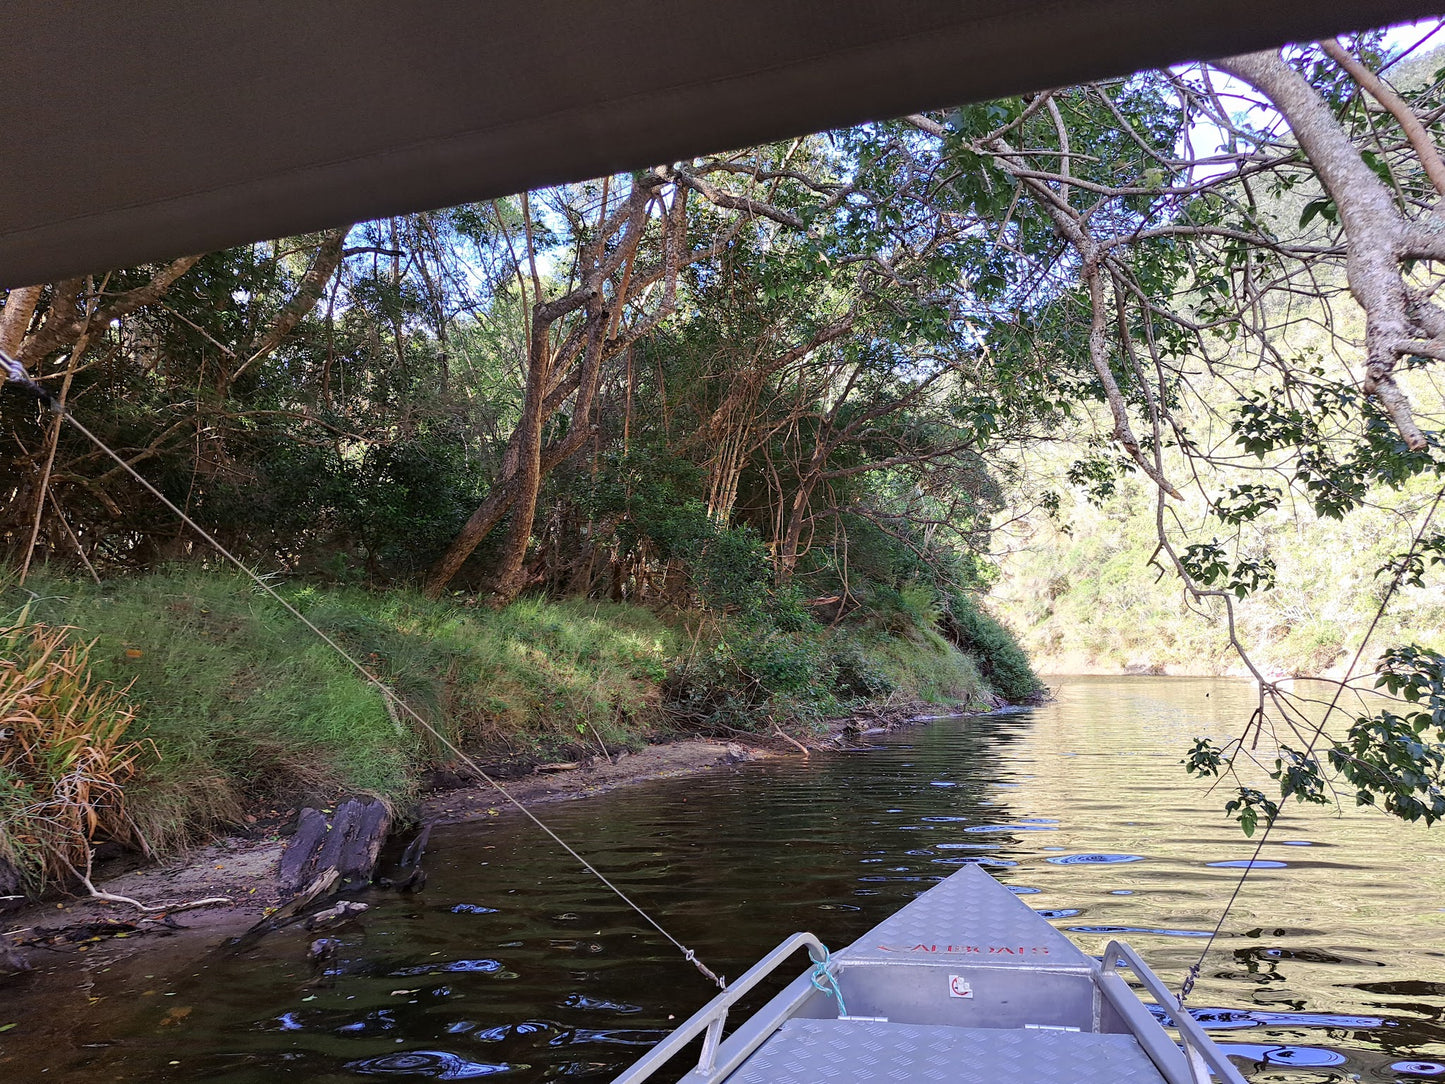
(329, 255)
(526, 483)
(1374, 228)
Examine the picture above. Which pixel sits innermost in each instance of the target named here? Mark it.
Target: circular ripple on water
(437, 1064)
(1223, 1018)
(1317, 1020)
(1419, 1068)
(597, 1004)
(485, 967)
(1094, 859)
(1312, 1056)
(1208, 1018)
(1248, 863)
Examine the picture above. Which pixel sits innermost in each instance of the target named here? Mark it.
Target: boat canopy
(158, 128)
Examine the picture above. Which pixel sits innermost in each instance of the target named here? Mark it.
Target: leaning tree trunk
(1378, 235)
(526, 483)
(546, 388)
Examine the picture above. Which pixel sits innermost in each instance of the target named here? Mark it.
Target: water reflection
(512, 963)
(438, 1065)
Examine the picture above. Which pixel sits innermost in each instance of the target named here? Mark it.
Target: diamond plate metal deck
(823, 1051)
(968, 918)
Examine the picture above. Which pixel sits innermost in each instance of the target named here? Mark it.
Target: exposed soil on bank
(242, 869)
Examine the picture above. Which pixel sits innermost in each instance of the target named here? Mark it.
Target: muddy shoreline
(57, 935)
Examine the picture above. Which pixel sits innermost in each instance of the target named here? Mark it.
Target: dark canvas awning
(152, 128)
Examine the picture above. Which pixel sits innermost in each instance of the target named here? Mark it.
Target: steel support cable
(1193, 974)
(15, 373)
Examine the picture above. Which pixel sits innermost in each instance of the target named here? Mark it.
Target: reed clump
(64, 754)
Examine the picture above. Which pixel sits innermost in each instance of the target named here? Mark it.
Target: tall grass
(237, 704)
(65, 754)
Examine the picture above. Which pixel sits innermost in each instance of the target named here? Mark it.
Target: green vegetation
(199, 697)
(241, 703)
(1083, 595)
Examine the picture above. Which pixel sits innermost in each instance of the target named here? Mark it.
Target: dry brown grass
(64, 757)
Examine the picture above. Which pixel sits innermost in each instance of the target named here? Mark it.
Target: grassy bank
(231, 704)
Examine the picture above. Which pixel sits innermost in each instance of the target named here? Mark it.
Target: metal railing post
(1200, 1053)
(712, 1016)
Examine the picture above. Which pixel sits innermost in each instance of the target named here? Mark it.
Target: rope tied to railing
(824, 979)
(16, 375)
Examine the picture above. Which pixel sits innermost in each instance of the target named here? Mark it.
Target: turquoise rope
(822, 971)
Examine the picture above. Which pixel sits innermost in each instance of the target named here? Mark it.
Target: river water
(515, 964)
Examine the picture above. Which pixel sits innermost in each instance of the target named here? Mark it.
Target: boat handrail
(713, 1016)
(1199, 1049)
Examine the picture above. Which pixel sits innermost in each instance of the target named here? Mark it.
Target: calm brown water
(512, 964)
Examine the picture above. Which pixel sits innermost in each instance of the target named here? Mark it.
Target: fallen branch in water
(801, 747)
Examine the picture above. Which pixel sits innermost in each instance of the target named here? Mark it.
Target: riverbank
(1080, 664)
(154, 713)
(242, 869)
(239, 871)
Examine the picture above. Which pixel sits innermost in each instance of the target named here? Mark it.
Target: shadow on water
(513, 964)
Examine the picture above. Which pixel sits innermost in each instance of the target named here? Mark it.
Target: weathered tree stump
(325, 857)
(349, 843)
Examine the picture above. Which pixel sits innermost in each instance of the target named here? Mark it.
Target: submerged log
(335, 915)
(409, 876)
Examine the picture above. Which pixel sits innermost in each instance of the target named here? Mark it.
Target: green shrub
(857, 676)
(1000, 657)
(752, 676)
